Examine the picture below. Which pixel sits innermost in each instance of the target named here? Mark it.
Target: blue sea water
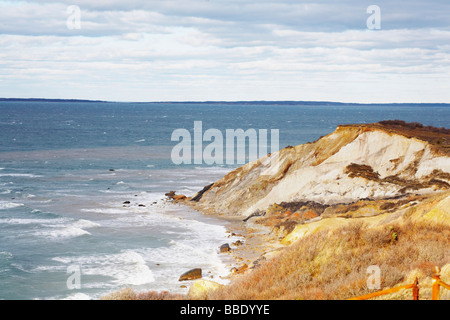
(66, 169)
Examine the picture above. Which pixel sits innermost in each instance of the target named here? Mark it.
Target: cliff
(365, 195)
(355, 164)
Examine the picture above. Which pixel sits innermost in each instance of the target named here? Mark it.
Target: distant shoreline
(250, 102)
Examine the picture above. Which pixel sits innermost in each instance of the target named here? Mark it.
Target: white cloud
(225, 50)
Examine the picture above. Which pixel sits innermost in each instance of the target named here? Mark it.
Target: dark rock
(258, 262)
(191, 275)
(238, 243)
(294, 206)
(199, 195)
(170, 194)
(241, 269)
(285, 227)
(257, 213)
(179, 197)
(225, 248)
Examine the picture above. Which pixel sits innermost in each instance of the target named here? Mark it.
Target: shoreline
(256, 241)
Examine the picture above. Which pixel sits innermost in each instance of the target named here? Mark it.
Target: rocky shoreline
(257, 243)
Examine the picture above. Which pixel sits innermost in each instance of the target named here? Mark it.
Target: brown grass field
(333, 264)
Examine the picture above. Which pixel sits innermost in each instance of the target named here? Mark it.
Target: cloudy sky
(178, 50)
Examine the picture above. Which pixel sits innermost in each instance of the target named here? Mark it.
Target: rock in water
(170, 194)
(191, 274)
(225, 248)
(179, 197)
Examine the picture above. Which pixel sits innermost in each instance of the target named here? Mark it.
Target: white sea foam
(64, 230)
(155, 220)
(9, 205)
(78, 296)
(159, 219)
(126, 268)
(67, 232)
(180, 257)
(215, 170)
(5, 258)
(20, 175)
(197, 245)
(50, 268)
(6, 254)
(86, 224)
(105, 210)
(43, 222)
(46, 201)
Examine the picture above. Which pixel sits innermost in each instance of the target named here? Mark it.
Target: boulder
(200, 288)
(170, 194)
(241, 269)
(191, 275)
(238, 243)
(178, 197)
(225, 248)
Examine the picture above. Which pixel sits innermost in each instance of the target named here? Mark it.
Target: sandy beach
(256, 241)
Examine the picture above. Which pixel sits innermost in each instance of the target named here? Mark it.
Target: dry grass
(333, 264)
(130, 294)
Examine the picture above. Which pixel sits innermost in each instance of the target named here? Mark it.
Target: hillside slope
(386, 160)
(330, 258)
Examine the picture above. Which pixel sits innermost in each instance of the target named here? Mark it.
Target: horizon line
(285, 102)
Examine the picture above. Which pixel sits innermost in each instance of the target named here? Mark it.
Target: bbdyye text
(228, 309)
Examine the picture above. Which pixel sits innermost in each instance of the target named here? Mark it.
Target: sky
(376, 51)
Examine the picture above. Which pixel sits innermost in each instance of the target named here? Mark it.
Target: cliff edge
(389, 160)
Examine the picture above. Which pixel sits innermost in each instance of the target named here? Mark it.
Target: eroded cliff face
(354, 163)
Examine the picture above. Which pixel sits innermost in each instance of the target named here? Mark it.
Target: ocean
(83, 211)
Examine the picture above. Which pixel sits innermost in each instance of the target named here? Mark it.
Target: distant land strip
(257, 102)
